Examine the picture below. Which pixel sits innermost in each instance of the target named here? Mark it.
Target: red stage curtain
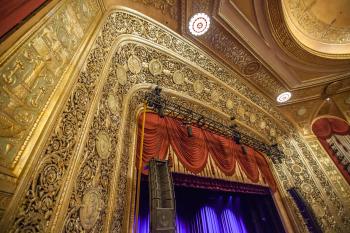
(222, 151)
(324, 128)
(193, 151)
(265, 170)
(248, 162)
(156, 140)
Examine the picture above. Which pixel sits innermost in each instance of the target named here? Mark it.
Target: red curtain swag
(324, 128)
(193, 151)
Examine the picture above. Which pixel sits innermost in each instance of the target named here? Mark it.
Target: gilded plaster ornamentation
(167, 7)
(91, 206)
(31, 73)
(155, 67)
(315, 28)
(134, 64)
(229, 104)
(103, 144)
(50, 176)
(178, 77)
(286, 41)
(121, 74)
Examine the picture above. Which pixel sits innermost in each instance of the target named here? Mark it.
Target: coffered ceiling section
(254, 38)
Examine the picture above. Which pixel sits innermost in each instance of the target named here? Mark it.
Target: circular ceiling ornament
(199, 24)
(251, 68)
(284, 97)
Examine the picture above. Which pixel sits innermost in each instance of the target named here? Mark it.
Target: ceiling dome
(321, 26)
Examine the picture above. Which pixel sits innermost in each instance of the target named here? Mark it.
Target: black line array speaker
(162, 200)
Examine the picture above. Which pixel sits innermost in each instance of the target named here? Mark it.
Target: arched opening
(334, 135)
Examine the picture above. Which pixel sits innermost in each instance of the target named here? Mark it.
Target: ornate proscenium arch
(86, 162)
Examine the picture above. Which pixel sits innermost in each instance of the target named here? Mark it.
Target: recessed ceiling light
(284, 97)
(199, 24)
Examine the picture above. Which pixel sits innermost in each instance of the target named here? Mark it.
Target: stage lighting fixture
(189, 130)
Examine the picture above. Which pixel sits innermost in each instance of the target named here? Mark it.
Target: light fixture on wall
(284, 97)
(199, 24)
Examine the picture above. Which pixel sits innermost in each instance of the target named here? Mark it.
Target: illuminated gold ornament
(103, 144)
(155, 67)
(134, 64)
(229, 104)
(178, 77)
(121, 74)
(198, 86)
(91, 206)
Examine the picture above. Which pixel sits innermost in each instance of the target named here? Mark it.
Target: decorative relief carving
(167, 7)
(91, 207)
(103, 144)
(315, 28)
(155, 67)
(95, 172)
(30, 75)
(287, 42)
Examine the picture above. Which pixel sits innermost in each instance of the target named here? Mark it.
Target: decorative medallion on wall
(103, 144)
(252, 118)
(198, 86)
(121, 74)
(215, 96)
(155, 67)
(178, 77)
(262, 124)
(90, 209)
(251, 68)
(307, 188)
(241, 111)
(134, 64)
(296, 168)
(112, 103)
(229, 104)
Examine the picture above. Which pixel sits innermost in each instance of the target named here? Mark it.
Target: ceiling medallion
(251, 68)
(284, 97)
(199, 24)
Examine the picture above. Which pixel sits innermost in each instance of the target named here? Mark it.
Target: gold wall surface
(70, 94)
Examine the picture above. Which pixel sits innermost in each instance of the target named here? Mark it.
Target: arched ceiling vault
(321, 27)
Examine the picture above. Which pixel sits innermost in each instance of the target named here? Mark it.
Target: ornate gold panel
(31, 72)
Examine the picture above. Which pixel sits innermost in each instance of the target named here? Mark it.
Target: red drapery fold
(222, 151)
(193, 151)
(324, 128)
(156, 140)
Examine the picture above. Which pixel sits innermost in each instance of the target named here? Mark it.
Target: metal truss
(164, 107)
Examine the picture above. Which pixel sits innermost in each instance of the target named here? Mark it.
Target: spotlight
(189, 130)
(284, 97)
(244, 150)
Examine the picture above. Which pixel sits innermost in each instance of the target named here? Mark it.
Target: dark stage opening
(201, 210)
